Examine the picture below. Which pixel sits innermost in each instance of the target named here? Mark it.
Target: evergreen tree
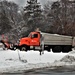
(33, 9)
(33, 14)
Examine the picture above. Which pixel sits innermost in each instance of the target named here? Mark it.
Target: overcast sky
(23, 2)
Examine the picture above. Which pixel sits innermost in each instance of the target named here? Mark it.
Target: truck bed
(55, 39)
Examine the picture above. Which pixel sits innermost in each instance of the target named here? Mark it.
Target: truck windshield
(29, 35)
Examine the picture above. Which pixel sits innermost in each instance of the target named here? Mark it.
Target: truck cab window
(35, 36)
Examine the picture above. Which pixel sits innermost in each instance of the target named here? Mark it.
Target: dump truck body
(46, 41)
(55, 39)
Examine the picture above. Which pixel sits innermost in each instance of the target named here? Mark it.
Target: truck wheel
(57, 49)
(48, 49)
(23, 48)
(66, 49)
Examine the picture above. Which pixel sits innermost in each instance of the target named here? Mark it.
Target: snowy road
(45, 72)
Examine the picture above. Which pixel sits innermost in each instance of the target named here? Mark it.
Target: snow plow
(44, 41)
(6, 44)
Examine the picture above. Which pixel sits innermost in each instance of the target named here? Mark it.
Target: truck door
(35, 39)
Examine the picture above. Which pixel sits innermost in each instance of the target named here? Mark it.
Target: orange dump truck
(45, 41)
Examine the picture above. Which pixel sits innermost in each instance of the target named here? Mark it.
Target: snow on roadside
(67, 61)
(9, 60)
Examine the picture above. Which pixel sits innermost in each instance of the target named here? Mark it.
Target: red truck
(45, 41)
(30, 42)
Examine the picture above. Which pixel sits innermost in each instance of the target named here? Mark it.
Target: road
(45, 72)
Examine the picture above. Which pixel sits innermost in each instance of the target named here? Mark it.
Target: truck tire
(23, 48)
(57, 49)
(47, 48)
(66, 49)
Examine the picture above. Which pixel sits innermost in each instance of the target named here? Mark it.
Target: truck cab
(32, 40)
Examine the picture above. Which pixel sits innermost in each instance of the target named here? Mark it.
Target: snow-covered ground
(67, 61)
(12, 61)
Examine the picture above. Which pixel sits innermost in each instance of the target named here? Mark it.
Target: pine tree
(33, 14)
(33, 9)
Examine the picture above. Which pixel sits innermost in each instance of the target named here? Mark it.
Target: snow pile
(66, 61)
(68, 58)
(12, 61)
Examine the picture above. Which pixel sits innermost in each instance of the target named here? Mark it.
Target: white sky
(23, 2)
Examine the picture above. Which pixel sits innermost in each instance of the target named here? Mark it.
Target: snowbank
(68, 58)
(12, 61)
(68, 61)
